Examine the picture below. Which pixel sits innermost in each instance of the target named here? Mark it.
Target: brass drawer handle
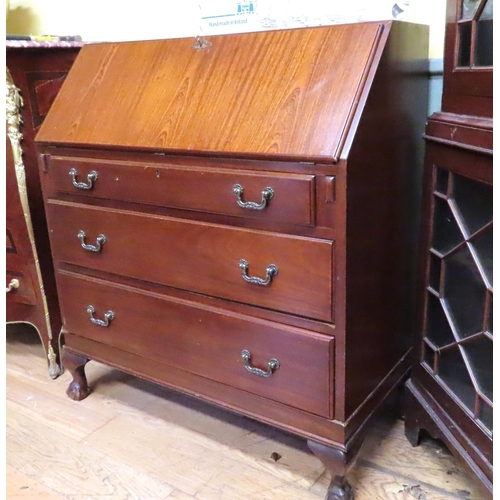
(91, 178)
(272, 365)
(100, 240)
(271, 271)
(108, 317)
(14, 283)
(267, 194)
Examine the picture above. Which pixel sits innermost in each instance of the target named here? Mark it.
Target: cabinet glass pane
(428, 357)
(441, 181)
(464, 293)
(446, 235)
(479, 353)
(486, 415)
(490, 316)
(464, 35)
(484, 37)
(438, 329)
(469, 8)
(474, 201)
(483, 247)
(434, 272)
(453, 372)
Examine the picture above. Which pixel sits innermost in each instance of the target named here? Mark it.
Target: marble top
(42, 44)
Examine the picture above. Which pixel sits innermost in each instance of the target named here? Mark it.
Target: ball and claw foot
(340, 490)
(76, 392)
(78, 389)
(338, 462)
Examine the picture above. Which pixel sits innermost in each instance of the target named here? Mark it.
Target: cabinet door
(458, 310)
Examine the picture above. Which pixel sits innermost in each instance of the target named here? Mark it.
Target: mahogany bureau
(235, 218)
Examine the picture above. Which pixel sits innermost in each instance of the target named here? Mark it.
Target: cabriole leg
(339, 463)
(78, 389)
(413, 410)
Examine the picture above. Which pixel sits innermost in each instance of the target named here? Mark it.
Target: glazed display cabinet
(451, 387)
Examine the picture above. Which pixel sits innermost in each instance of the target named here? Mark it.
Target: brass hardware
(54, 369)
(267, 195)
(200, 43)
(272, 365)
(91, 178)
(271, 271)
(45, 162)
(100, 240)
(14, 283)
(108, 317)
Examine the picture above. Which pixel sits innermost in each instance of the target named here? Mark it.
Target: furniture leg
(78, 389)
(413, 426)
(339, 463)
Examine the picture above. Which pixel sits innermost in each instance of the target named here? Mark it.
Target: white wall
(118, 20)
(103, 20)
(121, 20)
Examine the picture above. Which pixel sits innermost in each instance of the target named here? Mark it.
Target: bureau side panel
(383, 202)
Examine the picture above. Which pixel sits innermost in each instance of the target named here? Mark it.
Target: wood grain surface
(168, 96)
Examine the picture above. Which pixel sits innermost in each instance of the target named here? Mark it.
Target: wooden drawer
(18, 254)
(204, 341)
(24, 293)
(199, 257)
(10, 243)
(190, 188)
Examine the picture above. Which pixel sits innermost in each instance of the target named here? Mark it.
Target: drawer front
(204, 341)
(199, 257)
(200, 189)
(10, 243)
(20, 287)
(18, 253)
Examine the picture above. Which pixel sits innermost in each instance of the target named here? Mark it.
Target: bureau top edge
(67, 148)
(261, 163)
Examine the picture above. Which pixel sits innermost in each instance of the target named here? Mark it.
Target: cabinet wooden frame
(468, 90)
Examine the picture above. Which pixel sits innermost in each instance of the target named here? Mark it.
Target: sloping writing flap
(284, 94)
